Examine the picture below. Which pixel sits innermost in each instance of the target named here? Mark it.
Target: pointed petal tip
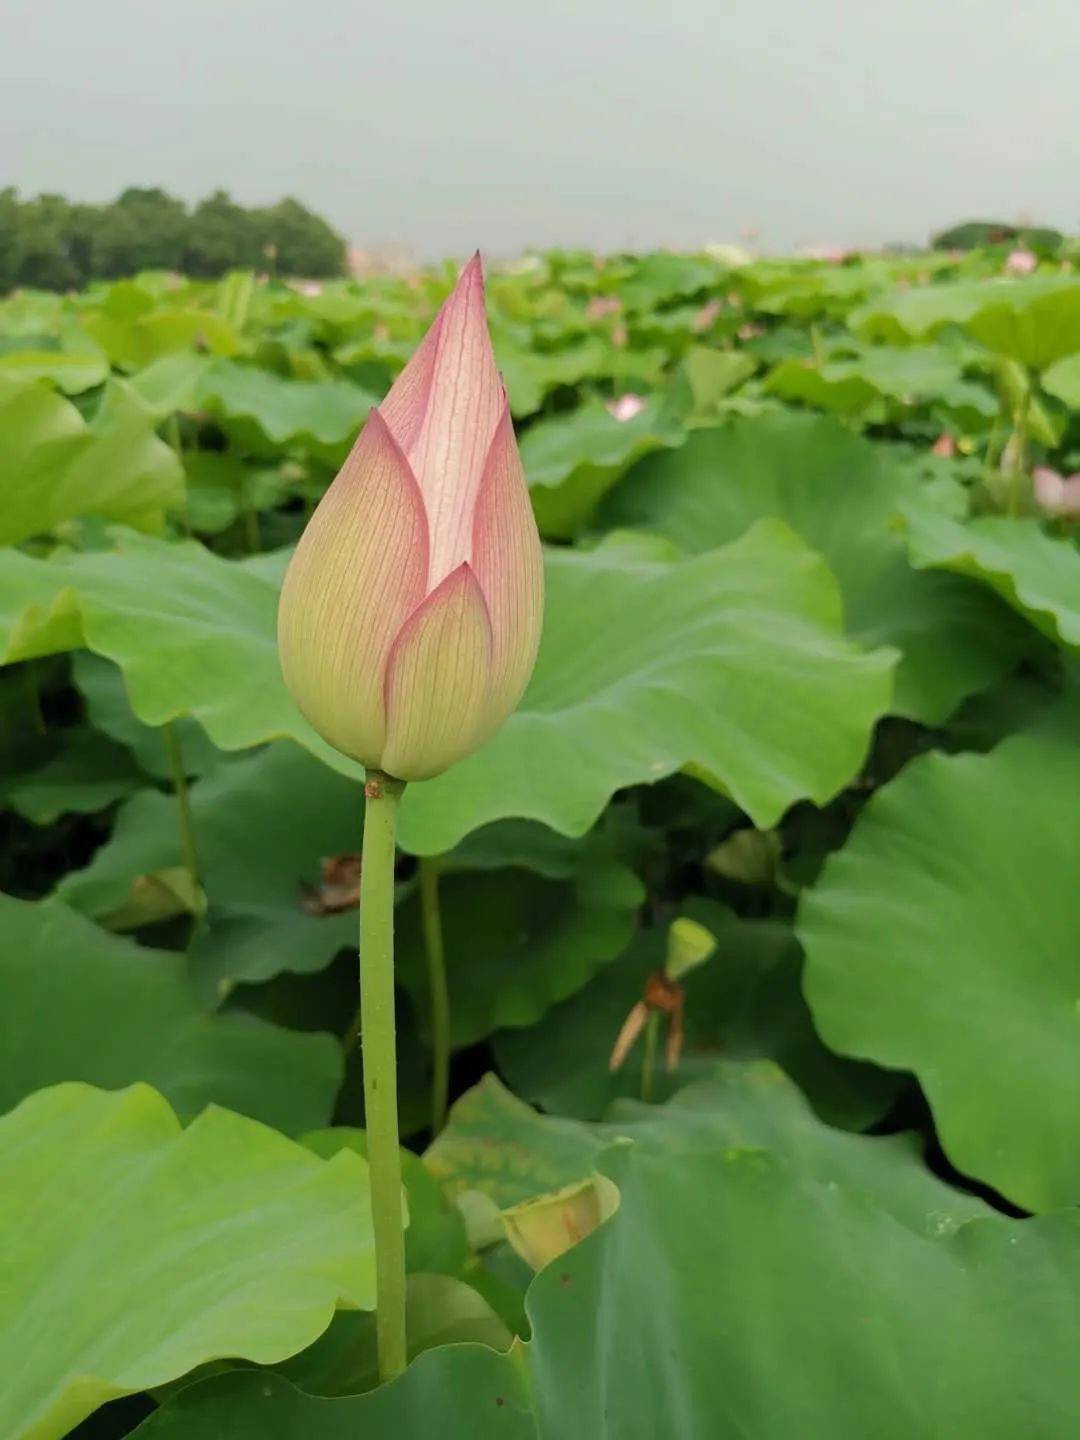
(471, 280)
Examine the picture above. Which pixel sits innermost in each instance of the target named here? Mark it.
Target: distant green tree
(222, 236)
(11, 244)
(50, 244)
(47, 261)
(302, 243)
(142, 230)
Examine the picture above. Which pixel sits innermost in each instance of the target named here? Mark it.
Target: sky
(610, 124)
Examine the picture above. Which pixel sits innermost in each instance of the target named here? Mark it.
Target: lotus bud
(411, 610)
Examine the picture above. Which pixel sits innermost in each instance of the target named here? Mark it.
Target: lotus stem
(648, 1059)
(431, 921)
(183, 811)
(379, 1049)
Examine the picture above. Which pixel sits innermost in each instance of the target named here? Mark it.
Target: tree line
(50, 243)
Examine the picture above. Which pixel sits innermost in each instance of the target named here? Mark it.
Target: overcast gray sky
(605, 123)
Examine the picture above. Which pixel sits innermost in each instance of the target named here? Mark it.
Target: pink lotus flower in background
(1020, 262)
(411, 611)
(601, 305)
(944, 446)
(1057, 494)
(705, 318)
(830, 254)
(626, 406)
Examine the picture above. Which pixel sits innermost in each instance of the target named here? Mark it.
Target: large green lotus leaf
(193, 634)
(462, 1392)
(571, 461)
(712, 375)
(516, 942)
(136, 339)
(664, 276)
(71, 371)
(1037, 574)
(1036, 333)
(834, 387)
(841, 496)
(26, 313)
(171, 383)
(749, 1243)
(942, 939)
(1020, 318)
(878, 373)
(81, 1004)
(746, 1002)
(521, 843)
(530, 374)
(54, 466)
(262, 826)
(108, 709)
(646, 666)
(133, 1250)
(439, 1310)
(329, 412)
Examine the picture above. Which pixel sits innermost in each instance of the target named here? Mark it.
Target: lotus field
(724, 963)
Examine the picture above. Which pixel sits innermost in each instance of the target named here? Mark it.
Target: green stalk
(183, 808)
(1020, 432)
(379, 1047)
(648, 1059)
(431, 921)
(817, 347)
(172, 434)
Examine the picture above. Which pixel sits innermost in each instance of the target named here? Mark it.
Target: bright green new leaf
(54, 466)
(71, 371)
(1063, 380)
(1037, 575)
(133, 1251)
(329, 412)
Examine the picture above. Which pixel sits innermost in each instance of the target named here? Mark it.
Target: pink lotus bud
(944, 445)
(625, 407)
(706, 317)
(1056, 494)
(601, 305)
(1020, 262)
(411, 611)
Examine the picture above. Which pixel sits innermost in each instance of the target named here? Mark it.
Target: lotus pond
(738, 974)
